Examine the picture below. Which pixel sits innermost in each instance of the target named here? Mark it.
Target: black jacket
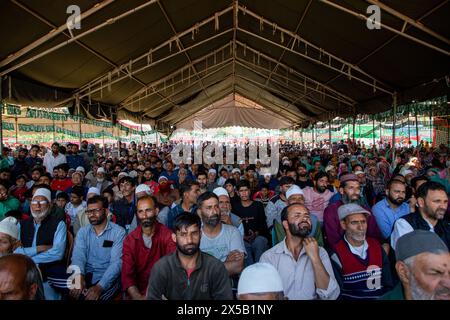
(442, 227)
(209, 280)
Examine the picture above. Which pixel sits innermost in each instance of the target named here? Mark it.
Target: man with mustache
(303, 179)
(350, 190)
(432, 203)
(220, 240)
(143, 247)
(295, 195)
(226, 216)
(423, 266)
(98, 254)
(43, 237)
(391, 208)
(202, 180)
(188, 273)
(99, 181)
(361, 266)
(318, 197)
(303, 265)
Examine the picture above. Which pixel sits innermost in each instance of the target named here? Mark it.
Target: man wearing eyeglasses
(98, 255)
(143, 247)
(43, 238)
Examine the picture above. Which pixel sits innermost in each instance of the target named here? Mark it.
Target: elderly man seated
(9, 235)
(423, 266)
(43, 237)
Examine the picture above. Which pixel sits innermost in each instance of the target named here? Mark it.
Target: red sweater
(138, 260)
(61, 185)
(19, 193)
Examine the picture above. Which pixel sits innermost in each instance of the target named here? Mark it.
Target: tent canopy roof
(163, 61)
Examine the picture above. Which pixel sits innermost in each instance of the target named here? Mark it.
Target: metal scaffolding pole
(142, 137)
(409, 129)
(329, 136)
(301, 137)
(373, 130)
(77, 104)
(17, 128)
(54, 130)
(417, 128)
(354, 125)
(62, 132)
(103, 141)
(381, 134)
(448, 131)
(431, 127)
(393, 124)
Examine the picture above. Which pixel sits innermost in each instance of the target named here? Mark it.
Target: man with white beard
(43, 237)
(423, 266)
(360, 264)
(226, 216)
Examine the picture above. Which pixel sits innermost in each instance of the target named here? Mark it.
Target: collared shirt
(359, 251)
(50, 161)
(402, 227)
(100, 254)
(386, 216)
(298, 276)
(56, 253)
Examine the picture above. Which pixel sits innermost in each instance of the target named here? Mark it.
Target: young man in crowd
(189, 273)
(255, 225)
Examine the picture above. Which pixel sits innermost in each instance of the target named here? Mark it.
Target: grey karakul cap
(417, 242)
